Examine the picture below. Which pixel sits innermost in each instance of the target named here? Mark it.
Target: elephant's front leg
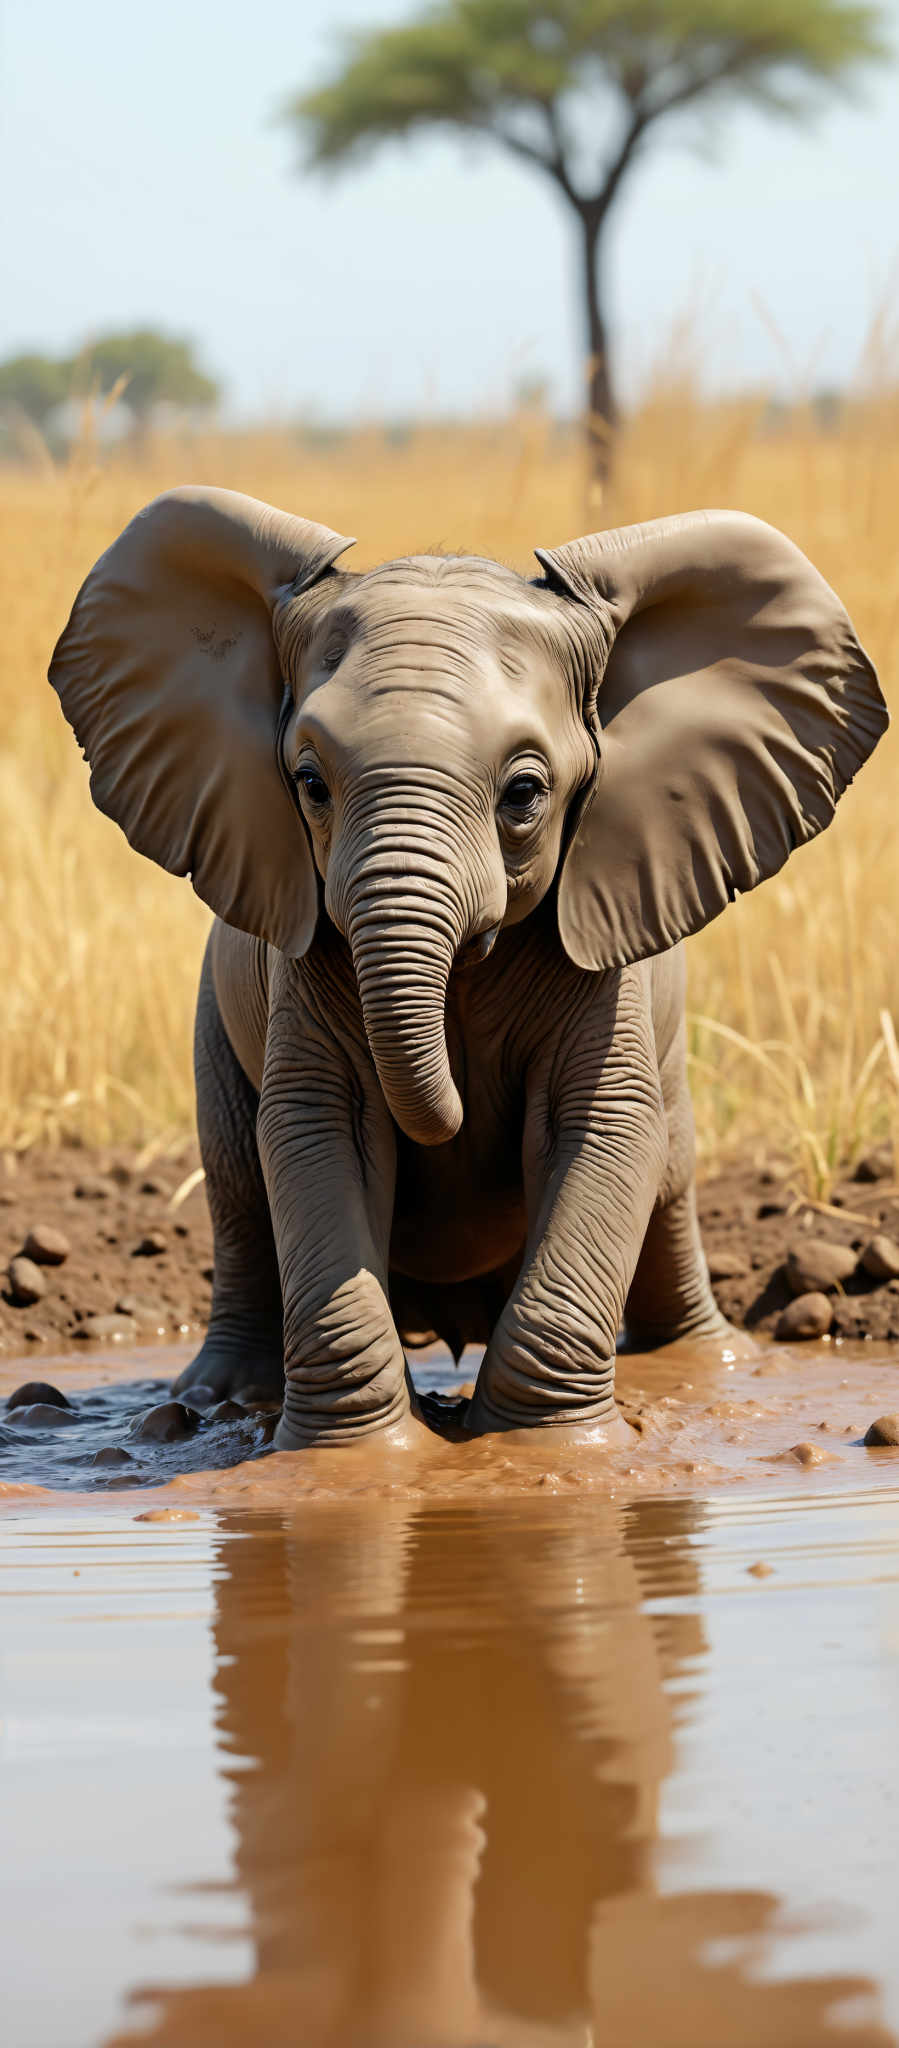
(594, 1152)
(328, 1155)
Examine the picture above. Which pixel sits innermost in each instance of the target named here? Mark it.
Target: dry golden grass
(791, 992)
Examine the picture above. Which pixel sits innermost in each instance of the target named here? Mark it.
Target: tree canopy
(35, 385)
(574, 87)
(153, 367)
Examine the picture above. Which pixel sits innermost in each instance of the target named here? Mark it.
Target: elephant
(454, 825)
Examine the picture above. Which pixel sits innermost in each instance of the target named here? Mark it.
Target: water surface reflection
(445, 1734)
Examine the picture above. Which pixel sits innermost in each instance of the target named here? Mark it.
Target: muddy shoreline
(139, 1247)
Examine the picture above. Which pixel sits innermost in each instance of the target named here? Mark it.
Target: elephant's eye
(521, 797)
(314, 787)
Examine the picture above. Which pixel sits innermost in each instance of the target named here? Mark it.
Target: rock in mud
(43, 1415)
(726, 1265)
(107, 1330)
(810, 1315)
(885, 1431)
(880, 1258)
(816, 1265)
(93, 1188)
(264, 1400)
(26, 1282)
(49, 1247)
(226, 1411)
(37, 1390)
(876, 1165)
(148, 1315)
(168, 1423)
(152, 1245)
(112, 1454)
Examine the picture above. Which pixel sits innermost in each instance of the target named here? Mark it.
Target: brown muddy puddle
(496, 1760)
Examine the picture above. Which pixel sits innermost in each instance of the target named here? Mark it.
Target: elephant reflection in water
(460, 1728)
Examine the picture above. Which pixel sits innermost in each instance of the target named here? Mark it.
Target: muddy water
(458, 1762)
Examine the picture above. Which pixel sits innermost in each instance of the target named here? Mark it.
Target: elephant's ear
(735, 707)
(169, 675)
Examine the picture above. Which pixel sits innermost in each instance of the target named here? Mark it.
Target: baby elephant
(453, 825)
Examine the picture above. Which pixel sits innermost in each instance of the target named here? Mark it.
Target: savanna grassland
(794, 992)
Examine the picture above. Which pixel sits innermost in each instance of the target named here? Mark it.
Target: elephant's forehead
(434, 590)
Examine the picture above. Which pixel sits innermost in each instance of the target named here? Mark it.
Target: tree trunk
(602, 413)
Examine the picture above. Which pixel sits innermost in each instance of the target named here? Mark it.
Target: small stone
(43, 1415)
(772, 1208)
(26, 1282)
(261, 1399)
(154, 1187)
(760, 1570)
(93, 1189)
(147, 1314)
(226, 1411)
(875, 1165)
(49, 1247)
(151, 1246)
(808, 1316)
(882, 1432)
(816, 1265)
(107, 1330)
(726, 1265)
(37, 1390)
(167, 1423)
(808, 1454)
(112, 1454)
(880, 1258)
(33, 1334)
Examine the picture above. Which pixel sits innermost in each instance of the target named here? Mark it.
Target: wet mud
(699, 1418)
(497, 1773)
(482, 1745)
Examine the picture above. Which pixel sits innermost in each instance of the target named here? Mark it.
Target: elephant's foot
(711, 1336)
(544, 1434)
(235, 1356)
(392, 1451)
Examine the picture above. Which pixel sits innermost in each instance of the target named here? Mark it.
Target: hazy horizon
(153, 185)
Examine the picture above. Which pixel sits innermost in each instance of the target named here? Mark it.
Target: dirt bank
(138, 1248)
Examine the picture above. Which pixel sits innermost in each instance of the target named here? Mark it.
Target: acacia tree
(151, 368)
(577, 88)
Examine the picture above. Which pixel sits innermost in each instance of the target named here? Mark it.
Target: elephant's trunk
(402, 953)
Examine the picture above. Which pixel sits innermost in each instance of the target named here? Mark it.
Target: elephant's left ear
(735, 708)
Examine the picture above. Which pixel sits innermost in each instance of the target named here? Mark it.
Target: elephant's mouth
(476, 950)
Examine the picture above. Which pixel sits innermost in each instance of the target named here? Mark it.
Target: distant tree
(34, 385)
(577, 88)
(151, 368)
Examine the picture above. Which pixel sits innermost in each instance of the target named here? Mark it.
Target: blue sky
(146, 179)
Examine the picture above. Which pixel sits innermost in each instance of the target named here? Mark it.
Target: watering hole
(505, 1754)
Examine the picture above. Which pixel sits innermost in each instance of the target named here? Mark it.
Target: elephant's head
(654, 725)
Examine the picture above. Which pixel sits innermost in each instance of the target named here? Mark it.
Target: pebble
(93, 1189)
(880, 1258)
(809, 1315)
(261, 1398)
(726, 1265)
(884, 1431)
(760, 1570)
(49, 1247)
(151, 1246)
(154, 1187)
(808, 1454)
(37, 1390)
(147, 1314)
(26, 1282)
(226, 1411)
(166, 1424)
(876, 1165)
(107, 1330)
(817, 1265)
(112, 1454)
(44, 1415)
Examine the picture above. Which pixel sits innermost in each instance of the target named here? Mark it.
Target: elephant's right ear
(168, 673)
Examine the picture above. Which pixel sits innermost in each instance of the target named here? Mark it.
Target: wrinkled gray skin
(428, 1115)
